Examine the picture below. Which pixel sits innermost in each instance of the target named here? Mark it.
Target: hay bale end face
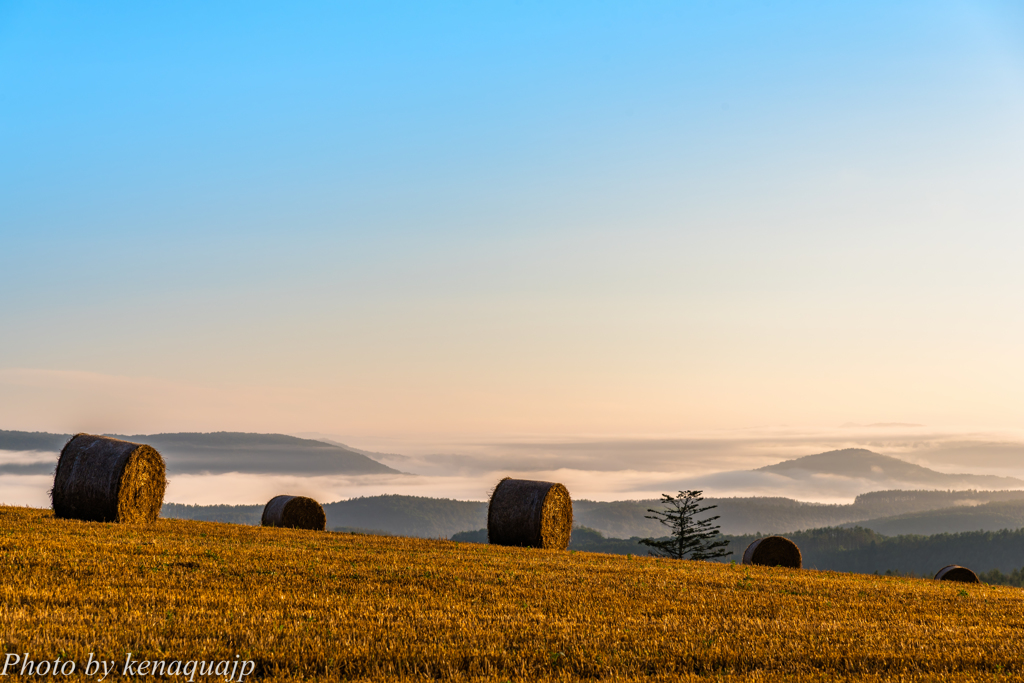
(954, 572)
(773, 551)
(99, 479)
(294, 512)
(530, 514)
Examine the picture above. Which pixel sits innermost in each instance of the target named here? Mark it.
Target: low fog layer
(238, 488)
(997, 454)
(236, 472)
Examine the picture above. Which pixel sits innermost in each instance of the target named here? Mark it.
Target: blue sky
(510, 217)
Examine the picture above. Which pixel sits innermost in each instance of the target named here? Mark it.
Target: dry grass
(325, 606)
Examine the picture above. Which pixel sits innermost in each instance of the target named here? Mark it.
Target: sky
(441, 221)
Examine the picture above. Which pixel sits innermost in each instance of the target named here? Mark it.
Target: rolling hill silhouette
(860, 463)
(215, 453)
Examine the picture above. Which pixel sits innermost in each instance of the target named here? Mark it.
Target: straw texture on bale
(955, 572)
(99, 479)
(773, 551)
(531, 514)
(294, 512)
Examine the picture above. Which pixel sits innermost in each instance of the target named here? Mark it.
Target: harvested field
(327, 606)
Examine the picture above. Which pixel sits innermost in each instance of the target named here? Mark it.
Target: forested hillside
(393, 515)
(441, 517)
(990, 516)
(865, 551)
(854, 550)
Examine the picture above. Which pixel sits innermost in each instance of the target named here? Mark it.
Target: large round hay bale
(99, 479)
(294, 512)
(773, 551)
(954, 572)
(531, 514)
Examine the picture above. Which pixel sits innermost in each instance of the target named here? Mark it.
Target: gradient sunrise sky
(510, 217)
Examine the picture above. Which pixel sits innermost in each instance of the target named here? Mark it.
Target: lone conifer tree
(691, 538)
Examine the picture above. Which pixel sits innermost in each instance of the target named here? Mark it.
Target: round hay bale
(530, 514)
(99, 479)
(294, 512)
(954, 572)
(773, 551)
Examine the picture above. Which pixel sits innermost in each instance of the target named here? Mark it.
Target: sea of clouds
(594, 469)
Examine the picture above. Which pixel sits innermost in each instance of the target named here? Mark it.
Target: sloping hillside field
(327, 606)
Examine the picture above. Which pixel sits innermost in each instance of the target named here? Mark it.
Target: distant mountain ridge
(32, 441)
(219, 452)
(215, 453)
(861, 463)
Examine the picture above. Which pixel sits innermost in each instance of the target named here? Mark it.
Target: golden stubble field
(326, 606)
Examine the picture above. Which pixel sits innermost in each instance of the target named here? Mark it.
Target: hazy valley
(873, 532)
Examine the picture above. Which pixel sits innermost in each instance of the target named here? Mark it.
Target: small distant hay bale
(954, 572)
(294, 512)
(530, 514)
(99, 479)
(773, 551)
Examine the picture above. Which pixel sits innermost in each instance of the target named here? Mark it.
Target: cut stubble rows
(333, 606)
